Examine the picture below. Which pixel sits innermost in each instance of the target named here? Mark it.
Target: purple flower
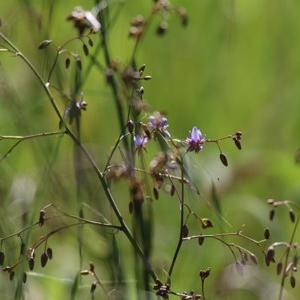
(158, 122)
(195, 140)
(140, 140)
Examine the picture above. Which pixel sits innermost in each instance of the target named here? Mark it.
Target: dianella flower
(195, 140)
(159, 123)
(140, 141)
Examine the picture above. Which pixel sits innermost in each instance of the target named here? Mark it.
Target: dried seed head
(44, 259)
(204, 273)
(271, 214)
(93, 286)
(44, 44)
(200, 240)
(155, 193)
(223, 159)
(292, 215)
(31, 263)
(292, 281)
(2, 257)
(185, 231)
(267, 233)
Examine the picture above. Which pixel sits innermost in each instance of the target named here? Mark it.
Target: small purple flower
(140, 140)
(158, 122)
(195, 140)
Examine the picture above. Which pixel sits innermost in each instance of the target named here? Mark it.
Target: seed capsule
(223, 159)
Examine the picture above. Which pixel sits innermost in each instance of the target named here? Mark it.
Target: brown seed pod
(78, 63)
(292, 215)
(11, 275)
(292, 281)
(2, 257)
(31, 263)
(44, 44)
(271, 214)
(200, 240)
(253, 258)
(237, 143)
(91, 43)
(279, 268)
(24, 278)
(267, 233)
(185, 231)
(270, 255)
(93, 286)
(172, 190)
(44, 259)
(67, 62)
(155, 193)
(85, 49)
(223, 159)
(49, 253)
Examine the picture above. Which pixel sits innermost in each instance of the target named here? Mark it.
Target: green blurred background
(234, 67)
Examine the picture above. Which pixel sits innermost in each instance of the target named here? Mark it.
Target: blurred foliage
(234, 67)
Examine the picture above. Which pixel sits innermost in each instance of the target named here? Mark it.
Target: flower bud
(44, 44)
(185, 231)
(267, 233)
(200, 240)
(223, 159)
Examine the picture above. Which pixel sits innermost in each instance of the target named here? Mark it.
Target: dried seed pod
(31, 263)
(292, 281)
(44, 259)
(2, 257)
(206, 223)
(24, 278)
(237, 143)
(155, 193)
(162, 27)
(130, 126)
(204, 273)
(85, 272)
(92, 267)
(267, 233)
(11, 275)
(93, 286)
(271, 214)
(200, 240)
(147, 77)
(185, 231)
(270, 201)
(85, 49)
(67, 62)
(42, 218)
(172, 190)
(142, 69)
(49, 253)
(270, 255)
(223, 159)
(253, 258)
(292, 215)
(78, 63)
(44, 44)
(91, 43)
(279, 268)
